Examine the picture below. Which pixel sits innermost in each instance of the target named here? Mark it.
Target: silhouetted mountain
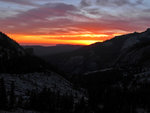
(99, 55)
(14, 59)
(124, 85)
(23, 74)
(115, 73)
(138, 51)
(50, 50)
(9, 48)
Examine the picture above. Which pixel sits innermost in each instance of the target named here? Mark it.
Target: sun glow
(82, 39)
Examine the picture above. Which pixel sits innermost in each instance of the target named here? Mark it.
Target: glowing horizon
(82, 39)
(48, 22)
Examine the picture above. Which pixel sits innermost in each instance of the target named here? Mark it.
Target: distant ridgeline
(29, 51)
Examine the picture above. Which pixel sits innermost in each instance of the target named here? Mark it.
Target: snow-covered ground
(38, 81)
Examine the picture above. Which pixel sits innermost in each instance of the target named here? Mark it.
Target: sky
(50, 22)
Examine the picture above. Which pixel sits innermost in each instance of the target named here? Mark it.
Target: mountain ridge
(97, 56)
(29, 73)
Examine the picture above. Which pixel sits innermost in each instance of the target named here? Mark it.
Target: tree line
(42, 101)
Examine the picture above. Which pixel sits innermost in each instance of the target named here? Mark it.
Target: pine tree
(3, 95)
(12, 95)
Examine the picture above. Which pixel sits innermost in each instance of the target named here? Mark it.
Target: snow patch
(37, 81)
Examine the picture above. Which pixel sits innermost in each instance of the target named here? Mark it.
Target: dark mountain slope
(9, 48)
(24, 76)
(14, 59)
(95, 56)
(137, 54)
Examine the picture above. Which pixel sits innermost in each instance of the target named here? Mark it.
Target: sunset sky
(50, 22)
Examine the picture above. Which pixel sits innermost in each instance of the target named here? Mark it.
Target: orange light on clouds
(83, 39)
